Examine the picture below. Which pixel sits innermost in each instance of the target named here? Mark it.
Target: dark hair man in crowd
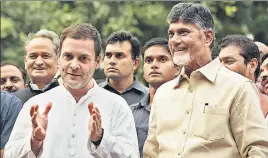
(40, 63)
(240, 54)
(12, 77)
(212, 111)
(158, 68)
(78, 118)
(121, 59)
(9, 110)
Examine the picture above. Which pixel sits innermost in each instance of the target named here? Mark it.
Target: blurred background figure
(262, 48)
(12, 77)
(264, 74)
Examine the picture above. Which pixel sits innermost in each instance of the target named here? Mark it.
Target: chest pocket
(211, 122)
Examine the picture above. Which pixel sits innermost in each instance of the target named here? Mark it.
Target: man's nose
(39, 60)
(8, 84)
(74, 64)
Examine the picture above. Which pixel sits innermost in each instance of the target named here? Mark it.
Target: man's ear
(136, 63)
(253, 64)
(209, 37)
(25, 60)
(98, 60)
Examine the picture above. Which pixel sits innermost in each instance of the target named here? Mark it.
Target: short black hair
(249, 49)
(121, 36)
(23, 73)
(264, 57)
(192, 13)
(155, 41)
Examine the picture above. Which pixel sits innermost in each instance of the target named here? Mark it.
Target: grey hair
(193, 13)
(46, 34)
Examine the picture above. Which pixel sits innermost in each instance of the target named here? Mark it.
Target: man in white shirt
(74, 119)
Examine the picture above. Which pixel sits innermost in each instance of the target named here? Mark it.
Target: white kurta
(67, 131)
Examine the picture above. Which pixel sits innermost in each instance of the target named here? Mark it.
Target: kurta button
(184, 132)
(73, 135)
(187, 112)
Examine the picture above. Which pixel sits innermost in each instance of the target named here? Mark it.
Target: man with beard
(240, 54)
(12, 77)
(208, 110)
(158, 68)
(78, 118)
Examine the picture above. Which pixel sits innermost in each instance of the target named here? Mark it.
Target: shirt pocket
(211, 122)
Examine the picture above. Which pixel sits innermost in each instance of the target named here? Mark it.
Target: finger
(98, 122)
(90, 108)
(32, 110)
(34, 121)
(97, 112)
(48, 107)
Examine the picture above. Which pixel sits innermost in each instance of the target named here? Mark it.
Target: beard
(181, 60)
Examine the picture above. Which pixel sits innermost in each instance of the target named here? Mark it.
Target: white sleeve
(18, 145)
(122, 142)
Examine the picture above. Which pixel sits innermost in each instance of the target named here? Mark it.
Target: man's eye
(3, 81)
(46, 56)
(67, 56)
(183, 33)
(230, 62)
(31, 56)
(170, 34)
(119, 55)
(148, 60)
(108, 55)
(163, 59)
(84, 58)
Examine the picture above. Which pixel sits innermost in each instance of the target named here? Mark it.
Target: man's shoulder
(227, 76)
(102, 84)
(8, 100)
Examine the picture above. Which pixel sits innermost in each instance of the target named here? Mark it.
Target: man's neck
(122, 84)
(195, 66)
(152, 90)
(40, 84)
(79, 93)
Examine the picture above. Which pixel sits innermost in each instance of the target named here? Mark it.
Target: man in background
(12, 77)
(240, 54)
(40, 61)
(121, 59)
(158, 68)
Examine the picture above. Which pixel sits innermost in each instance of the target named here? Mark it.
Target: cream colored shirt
(214, 114)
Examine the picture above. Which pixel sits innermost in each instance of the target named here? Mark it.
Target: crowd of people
(194, 106)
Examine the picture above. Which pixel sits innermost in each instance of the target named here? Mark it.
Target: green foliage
(145, 19)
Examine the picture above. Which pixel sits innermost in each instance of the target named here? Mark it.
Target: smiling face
(11, 78)
(158, 65)
(40, 60)
(77, 63)
(189, 45)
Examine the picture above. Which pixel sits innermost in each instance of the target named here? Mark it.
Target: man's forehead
(182, 24)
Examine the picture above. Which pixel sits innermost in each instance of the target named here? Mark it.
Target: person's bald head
(262, 47)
